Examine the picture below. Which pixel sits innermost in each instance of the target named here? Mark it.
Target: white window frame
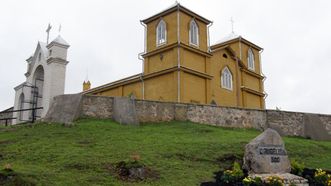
(194, 31)
(250, 59)
(161, 27)
(226, 79)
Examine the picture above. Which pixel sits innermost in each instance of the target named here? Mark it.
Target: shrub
(321, 178)
(274, 181)
(297, 167)
(249, 181)
(233, 176)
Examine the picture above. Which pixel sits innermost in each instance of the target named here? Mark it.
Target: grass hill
(182, 153)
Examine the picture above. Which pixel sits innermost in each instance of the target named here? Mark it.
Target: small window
(194, 33)
(50, 52)
(225, 56)
(161, 33)
(250, 60)
(226, 79)
(39, 56)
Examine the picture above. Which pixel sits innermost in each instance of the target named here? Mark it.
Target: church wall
(193, 89)
(185, 20)
(114, 92)
(244, 53)
(161, 88)
(161, 61)
(193, 61)
(171, 21)
(251, 82)
(220, 95)
(133, 88)
(252, 101)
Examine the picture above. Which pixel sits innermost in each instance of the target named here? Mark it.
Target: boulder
(266, 154)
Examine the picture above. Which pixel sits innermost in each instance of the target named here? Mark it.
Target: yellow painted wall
(251, 82)
(133, 88)
(244, 53)
(252, 101)
(161, 88)
(193, 88)
(185, 20)
(171, 21)
(193, 60)
(161, 61)
(111, 92)
(223, 96)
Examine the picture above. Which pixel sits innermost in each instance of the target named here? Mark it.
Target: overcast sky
(106, 37)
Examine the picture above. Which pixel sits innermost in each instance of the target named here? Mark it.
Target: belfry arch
(38, 90)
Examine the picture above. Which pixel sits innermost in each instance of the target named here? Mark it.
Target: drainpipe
(264, 78)
(142, 60)
(178, 55)
(240, 48)
(208, 36)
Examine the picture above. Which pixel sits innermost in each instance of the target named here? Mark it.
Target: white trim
(197, 34)
(226, 79)
(159, 41)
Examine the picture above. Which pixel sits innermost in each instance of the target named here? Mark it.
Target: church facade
(45, 79)
(179, 65)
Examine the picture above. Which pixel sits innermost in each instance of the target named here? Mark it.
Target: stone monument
(266, 156)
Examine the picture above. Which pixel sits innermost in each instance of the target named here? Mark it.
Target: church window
(50, 52)
(39, 56)
(161, 33)
(250, 60)
(194, 33)
(226, 79)
(225, 56)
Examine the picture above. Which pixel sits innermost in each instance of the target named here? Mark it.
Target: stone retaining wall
(286, 123)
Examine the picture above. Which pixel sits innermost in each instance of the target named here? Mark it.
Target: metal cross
(232, 24)
(48, 30)
(60, 27)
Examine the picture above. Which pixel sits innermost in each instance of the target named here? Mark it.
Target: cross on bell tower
(48, 30)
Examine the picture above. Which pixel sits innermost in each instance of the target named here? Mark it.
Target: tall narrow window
(226, 79)
(194, 33)
(161, 33)
(39, 56)
(250, 60)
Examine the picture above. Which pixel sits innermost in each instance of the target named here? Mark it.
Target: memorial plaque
(266, 154)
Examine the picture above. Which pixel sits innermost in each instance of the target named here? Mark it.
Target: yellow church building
(181, 66)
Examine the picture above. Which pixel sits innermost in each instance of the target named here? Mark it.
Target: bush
(274, 181)
(233, 176)
(297, 167)
(249, 181)
(321, 178)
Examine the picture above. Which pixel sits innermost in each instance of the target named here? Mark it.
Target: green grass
(183, 153)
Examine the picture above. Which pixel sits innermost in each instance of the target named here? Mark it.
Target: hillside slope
(182, 153)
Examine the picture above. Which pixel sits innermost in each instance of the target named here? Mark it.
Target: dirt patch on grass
(8, 129)
(132, 171)
(6, 142)
(226, 161)
(78, 166)
(11, 178)
(85, 143)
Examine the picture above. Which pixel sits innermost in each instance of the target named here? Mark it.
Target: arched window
(161, 33)
(226, 79)
(194, 33)
(39, 56)
(250, 60)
